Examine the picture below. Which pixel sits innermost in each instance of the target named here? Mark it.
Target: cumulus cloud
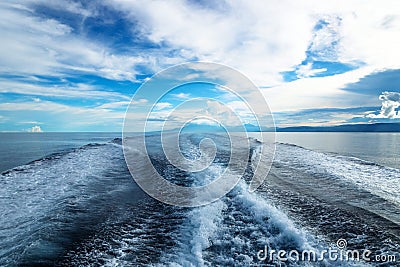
(390, 103)
(35, 129)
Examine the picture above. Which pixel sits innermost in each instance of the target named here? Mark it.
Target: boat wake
(82, 208)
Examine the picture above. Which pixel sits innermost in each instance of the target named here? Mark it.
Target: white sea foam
(199, 229)
(210, 230)
(379, 180)
(233, 229)
(32, 194)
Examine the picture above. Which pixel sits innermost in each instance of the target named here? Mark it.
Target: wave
(42, 199)
(231, 230)
(337, 196)
(379, 180)
(55, 156)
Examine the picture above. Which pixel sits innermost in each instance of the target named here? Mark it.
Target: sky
(75, 65)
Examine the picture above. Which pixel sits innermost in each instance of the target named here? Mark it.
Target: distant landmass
(373, 127)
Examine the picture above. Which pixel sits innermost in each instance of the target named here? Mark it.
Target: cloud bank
(92, 55)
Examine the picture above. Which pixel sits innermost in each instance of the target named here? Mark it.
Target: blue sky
(75, 65)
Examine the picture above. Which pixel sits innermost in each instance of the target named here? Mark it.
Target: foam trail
(44, 195)
(379, 180)
(232, 230)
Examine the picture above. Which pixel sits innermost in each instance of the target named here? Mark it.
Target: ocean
(68, 199)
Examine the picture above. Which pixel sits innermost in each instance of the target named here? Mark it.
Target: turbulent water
(82, 208)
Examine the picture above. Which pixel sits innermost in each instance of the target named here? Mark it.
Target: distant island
(364, 127)
(373, 127)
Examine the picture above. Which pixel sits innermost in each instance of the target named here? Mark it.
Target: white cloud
(255, 36)
(260, 38)
(30, 122)
(390, 102)
(65, 91)
(79, 113)
(113, 105)
(162, 105)
(36, 46)
(319, 92)
(35, 129)
(367, 35)
(204, 121)
(326, 38)
(70, 6)
(264, 38)
(181, 95)
(224, 114)
(60, 116)
(307, 70)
